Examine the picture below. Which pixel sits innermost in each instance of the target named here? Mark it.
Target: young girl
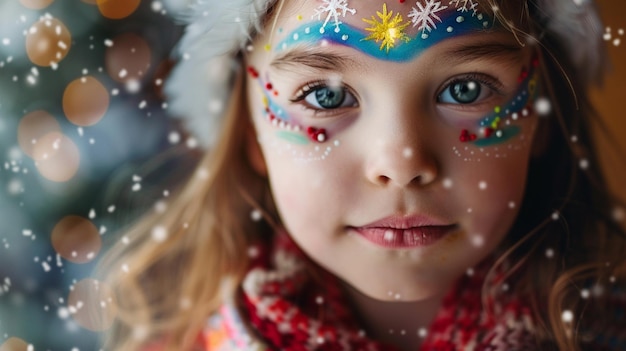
(381, 175)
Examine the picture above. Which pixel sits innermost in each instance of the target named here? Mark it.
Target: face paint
(335, 8)
(290, 130)
(490, 129)
(385, 38)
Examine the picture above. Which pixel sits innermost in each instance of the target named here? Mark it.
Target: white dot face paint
(390, 210)
(297, 153)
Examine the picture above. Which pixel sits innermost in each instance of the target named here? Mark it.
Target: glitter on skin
(387, 30)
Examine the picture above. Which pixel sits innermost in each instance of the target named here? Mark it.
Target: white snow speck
(159, 233)
(567, 316)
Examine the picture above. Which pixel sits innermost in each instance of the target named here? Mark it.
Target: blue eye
(464, 91)
(327, 98)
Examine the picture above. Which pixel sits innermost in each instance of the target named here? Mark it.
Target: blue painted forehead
(388, 35)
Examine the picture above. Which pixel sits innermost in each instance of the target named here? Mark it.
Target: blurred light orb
(48, 41)
(85, 101)
(15, 186)
(36, 4)
(133, 86)
(57, 157)
(117, 9)
(32, 127)
(76, 239)
(14, 344)
(129, 58)
(92, 304)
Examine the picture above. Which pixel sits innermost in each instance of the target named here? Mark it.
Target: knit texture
(289, 303)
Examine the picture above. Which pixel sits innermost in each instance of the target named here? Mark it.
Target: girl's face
(396, 136)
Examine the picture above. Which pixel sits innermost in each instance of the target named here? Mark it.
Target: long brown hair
(171, 286)
(567, 248)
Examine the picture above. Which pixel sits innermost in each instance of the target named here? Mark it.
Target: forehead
(393, 30)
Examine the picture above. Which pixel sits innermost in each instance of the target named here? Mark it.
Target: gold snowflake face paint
(397, 32)
(390, 35)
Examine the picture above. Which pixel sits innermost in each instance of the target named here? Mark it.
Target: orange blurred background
(609, 99)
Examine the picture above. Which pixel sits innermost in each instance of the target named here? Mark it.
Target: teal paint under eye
(453, 25)
(520, 101)
(506, 134)
(516, 104)
(292, 137)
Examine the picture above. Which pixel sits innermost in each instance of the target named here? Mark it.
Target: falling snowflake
(424, 17)
(335, 8)
(388, 30)
(465, 6)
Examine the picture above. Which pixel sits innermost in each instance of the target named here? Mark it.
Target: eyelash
(492, 83)
(310, 87)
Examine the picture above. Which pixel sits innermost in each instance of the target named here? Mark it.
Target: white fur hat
(199, 86)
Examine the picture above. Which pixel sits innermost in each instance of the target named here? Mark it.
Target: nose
(400, 155)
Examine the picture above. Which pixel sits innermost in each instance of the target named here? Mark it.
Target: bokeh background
(82, 117)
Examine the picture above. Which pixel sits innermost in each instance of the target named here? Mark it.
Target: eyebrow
(322, 61)
(484, 51)
(329, 61)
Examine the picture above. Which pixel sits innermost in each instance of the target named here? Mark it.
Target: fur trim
(200, 85)
(577, 25)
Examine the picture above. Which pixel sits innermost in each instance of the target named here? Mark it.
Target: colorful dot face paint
(385, 36)
(290, 130)
(396, 140)
(496, 128)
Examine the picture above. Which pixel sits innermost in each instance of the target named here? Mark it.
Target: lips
(404, 231)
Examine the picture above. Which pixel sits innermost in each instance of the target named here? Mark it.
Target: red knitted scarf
(294, 305)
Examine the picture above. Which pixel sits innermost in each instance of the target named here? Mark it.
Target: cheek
(308, 201)
(511, 148)
(492, 197)
(305, 192)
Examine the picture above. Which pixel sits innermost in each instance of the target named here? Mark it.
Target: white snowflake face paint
(387, 210)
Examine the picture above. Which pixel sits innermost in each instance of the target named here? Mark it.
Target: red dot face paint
(497, 127)
(278, 118)
(396, 128)
(253, 72)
